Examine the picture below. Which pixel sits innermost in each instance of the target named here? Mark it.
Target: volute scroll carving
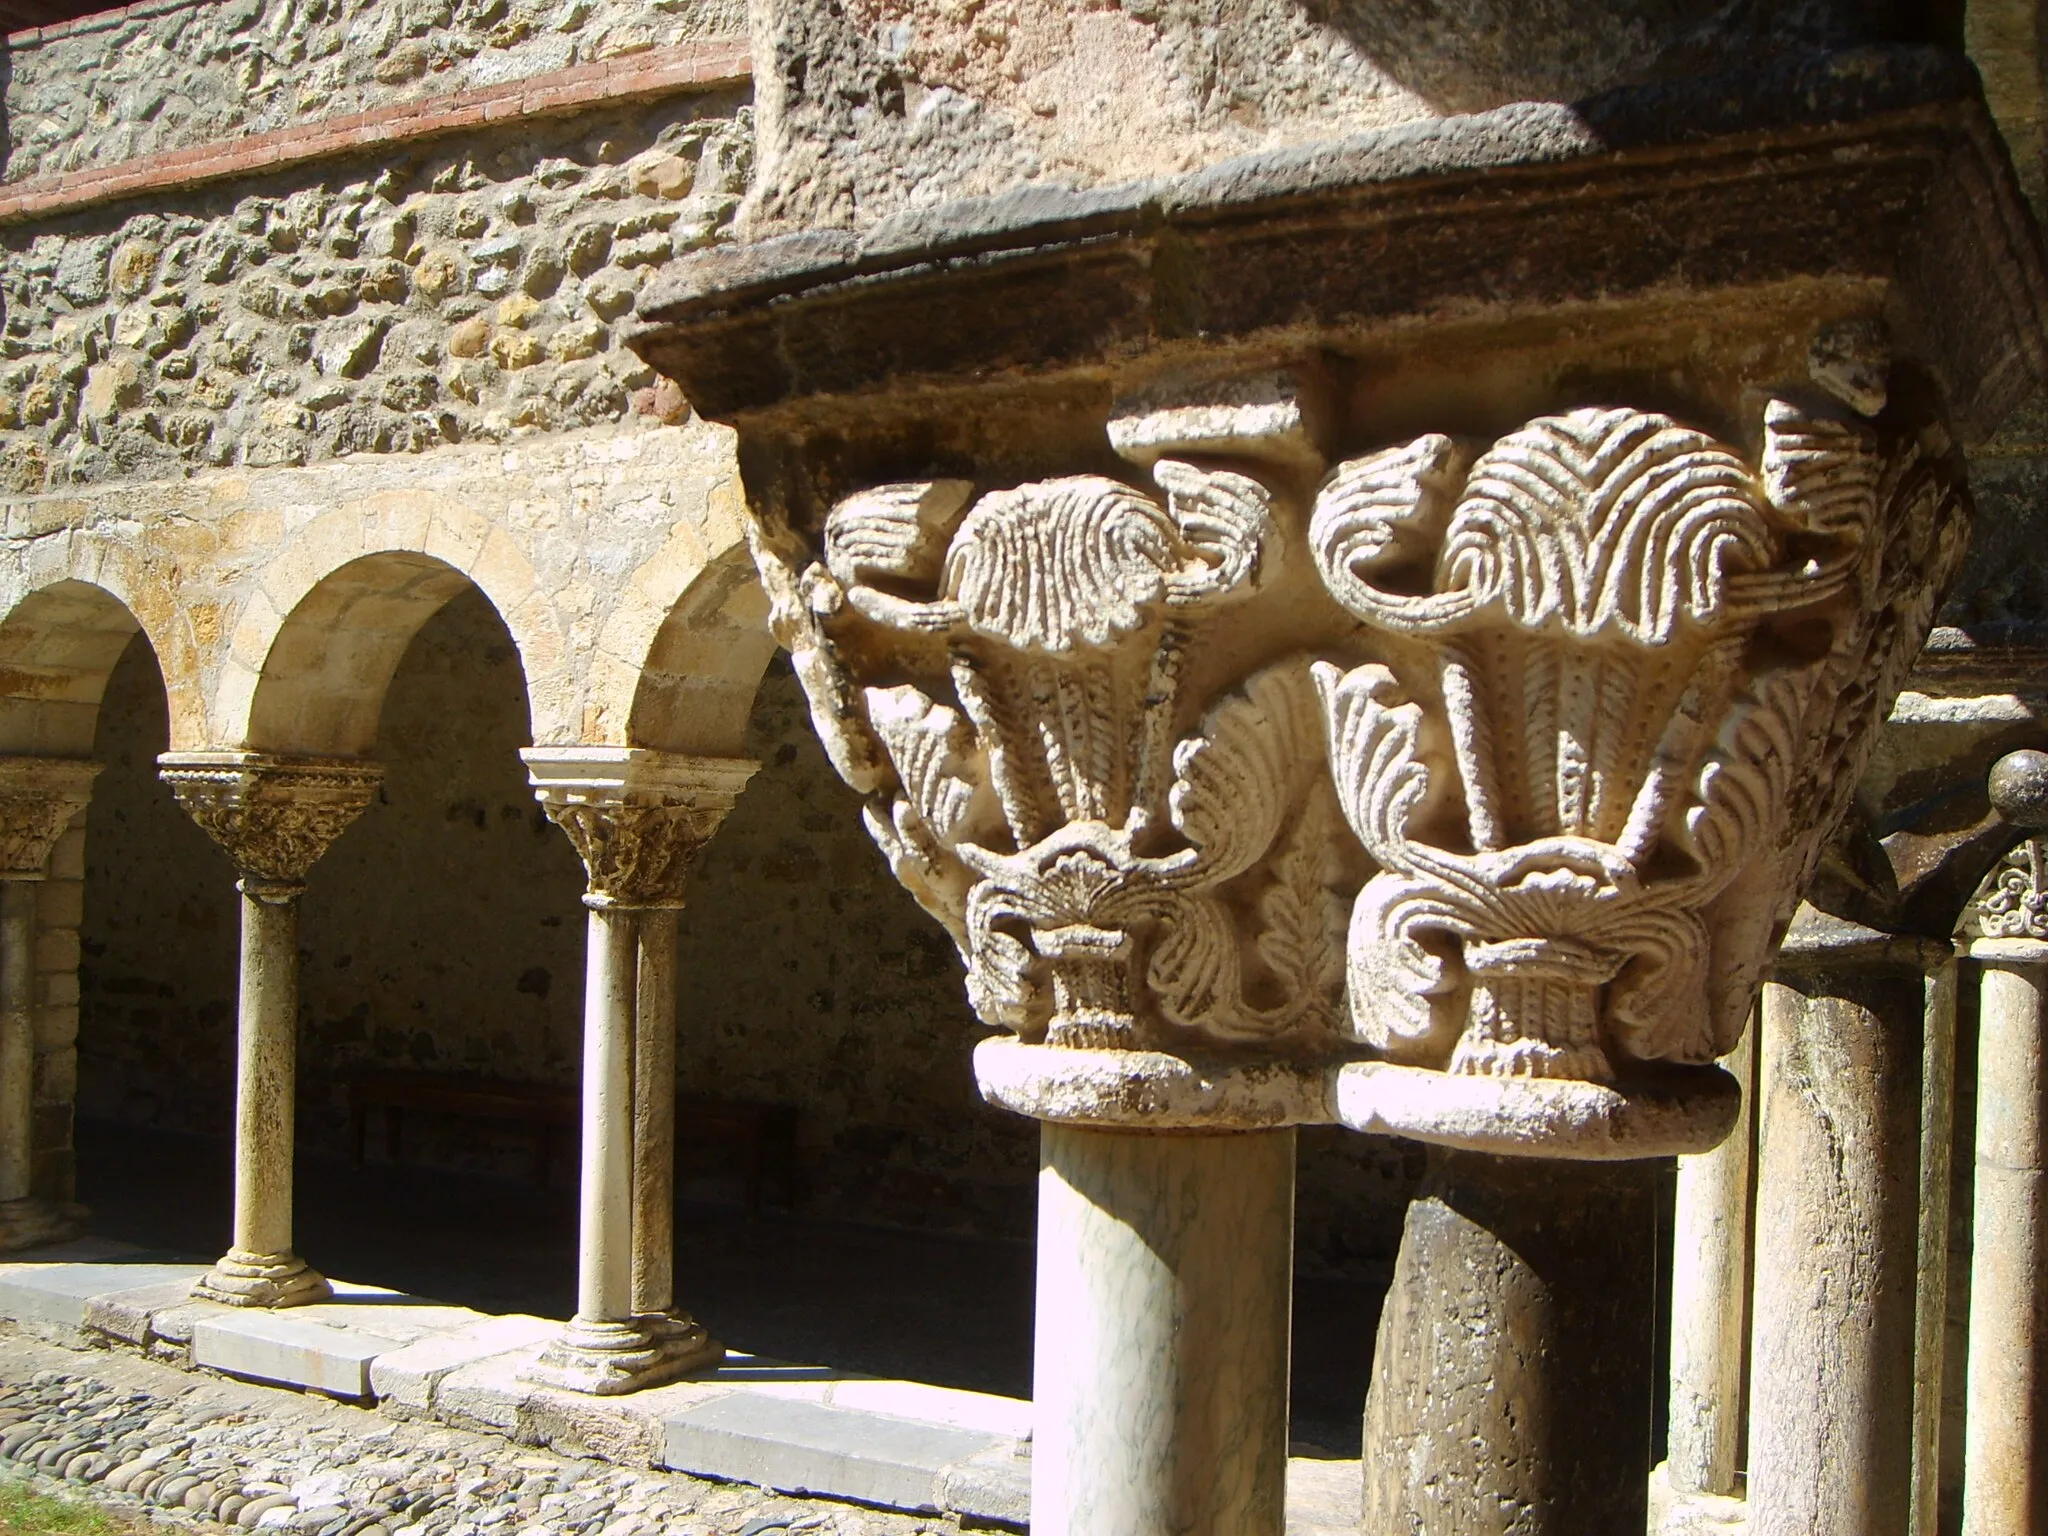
(1627, 673)
(638, 817)
(1497, 761)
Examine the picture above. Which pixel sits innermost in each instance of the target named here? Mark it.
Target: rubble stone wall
(472, 291)
(157, 76)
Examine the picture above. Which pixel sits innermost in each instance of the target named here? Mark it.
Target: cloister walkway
(948, 1310)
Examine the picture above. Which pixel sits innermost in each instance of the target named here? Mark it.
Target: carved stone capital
(273, 814)
(1589, 694)
(2008, 917)
(638, 817)
(39, 796)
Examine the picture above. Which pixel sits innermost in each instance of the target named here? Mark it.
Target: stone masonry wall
(471, 290)
(158, 76)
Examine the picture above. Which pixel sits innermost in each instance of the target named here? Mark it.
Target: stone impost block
(290, 1350)
(801, 1447)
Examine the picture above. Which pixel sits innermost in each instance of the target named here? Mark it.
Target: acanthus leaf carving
(1012, 666)
(1597, 743)
(39, 797)
(638, 818)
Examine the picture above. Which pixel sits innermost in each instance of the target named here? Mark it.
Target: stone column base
(242, 1279)
(30, 1223)
(607, 1359)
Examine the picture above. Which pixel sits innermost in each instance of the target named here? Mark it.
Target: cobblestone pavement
(210, 1454)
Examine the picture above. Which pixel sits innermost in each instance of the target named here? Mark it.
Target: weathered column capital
(1588, 694)
(274, 814)
(638, 817)
(38, 798)
(2007, 920)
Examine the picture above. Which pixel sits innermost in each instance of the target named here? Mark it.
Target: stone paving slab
(405, 1380)
(810, 1448)
(51, 1300)
(290, 1351)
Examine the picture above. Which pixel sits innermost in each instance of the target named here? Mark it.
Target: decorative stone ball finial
(2019, 789)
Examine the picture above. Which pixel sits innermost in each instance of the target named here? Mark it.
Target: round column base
(607, 1359)
(243, 1279)
(33, 1223)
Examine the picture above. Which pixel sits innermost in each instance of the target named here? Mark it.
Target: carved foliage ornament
(39, 796)
(638, 818)
(275, 816)
(1604, 684)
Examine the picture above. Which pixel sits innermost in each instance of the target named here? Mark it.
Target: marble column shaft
(1835, 1303)
(604, 1290)
(266, 1069)
(2005, 1457)
(1165, 1270)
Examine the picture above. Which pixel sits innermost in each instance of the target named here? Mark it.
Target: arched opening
(79, 680)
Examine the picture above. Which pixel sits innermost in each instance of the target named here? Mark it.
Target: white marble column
(39, 797)
(638, 818)
(274, 815)
(1160, 1372)
(2005, 1462)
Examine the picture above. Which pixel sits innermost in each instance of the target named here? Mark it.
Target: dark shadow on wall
(156, 1030)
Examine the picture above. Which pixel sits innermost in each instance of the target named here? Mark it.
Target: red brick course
(604, 82)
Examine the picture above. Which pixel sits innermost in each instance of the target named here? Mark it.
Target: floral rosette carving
(1626, 679)
(1005, 676)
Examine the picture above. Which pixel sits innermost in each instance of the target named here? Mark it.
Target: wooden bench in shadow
(763, 1135)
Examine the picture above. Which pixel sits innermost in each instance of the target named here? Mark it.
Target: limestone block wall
(60, 912)
(471, 291)
(166, 74)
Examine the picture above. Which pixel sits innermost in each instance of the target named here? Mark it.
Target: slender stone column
(638, 818)
(1710, 1303)
(654, 1113)
(2005, 1450)
(39, 797)
(1835, 1299)
(275, 816)
(1159, 1383)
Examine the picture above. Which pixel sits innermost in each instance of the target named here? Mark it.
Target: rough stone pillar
(1515, 1366)
(274, 815)
(1836, 1293)
(2005, 1451)
(638, 819)
(39, 797)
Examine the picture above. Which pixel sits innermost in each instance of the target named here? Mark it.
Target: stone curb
(796, 1429)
